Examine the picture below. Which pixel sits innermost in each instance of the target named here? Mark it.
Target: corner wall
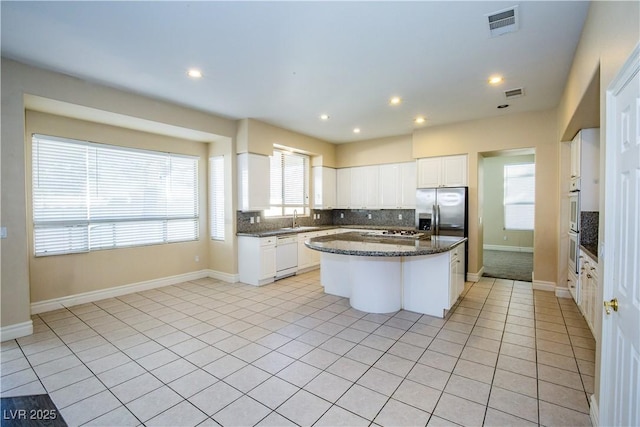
(20, 80)
(535, 130)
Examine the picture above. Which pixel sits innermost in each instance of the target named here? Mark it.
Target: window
(289, 184)
(216, 196)
(519, 196)
(89, 196)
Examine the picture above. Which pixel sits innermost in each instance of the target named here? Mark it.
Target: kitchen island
(383, 274)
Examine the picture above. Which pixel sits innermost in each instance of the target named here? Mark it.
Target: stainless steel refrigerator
(444, 211)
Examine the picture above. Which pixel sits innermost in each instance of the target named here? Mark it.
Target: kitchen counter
(307, 229)
(591, 250)
(382, 274)
(361, 244)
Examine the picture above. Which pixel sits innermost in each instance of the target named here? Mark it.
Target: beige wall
(610, 33)
(395, 149)
(258, 137)
(60, 276)
(493, 204)
(223, 253)
(536, 130)
(18, 82)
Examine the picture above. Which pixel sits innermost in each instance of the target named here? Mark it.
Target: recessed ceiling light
(396, 100)
(324, 117)
(194, 73)
(495, 80)
(503, 106)
(419, 120)
(356, 130)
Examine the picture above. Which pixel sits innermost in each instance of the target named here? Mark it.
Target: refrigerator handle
(436, 219)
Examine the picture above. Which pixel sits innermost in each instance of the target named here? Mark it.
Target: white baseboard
(475, 277)
(594, 414)
(85, 297)
(17, 330)
(563, 293)
(543, 286)
(507, 248)
(225, 277)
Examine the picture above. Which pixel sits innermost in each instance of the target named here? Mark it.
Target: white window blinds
(519, 196)
(90, 196)
(216, 197)
(289, 184)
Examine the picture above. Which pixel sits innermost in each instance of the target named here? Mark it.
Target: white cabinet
(448, 171)
(253, 182)
(589, 291)
(397, 186)
(574, 286)
(456, 274)
(305, 255)
(308, 258)
(343, 188)
(324, 187)
(256, 260)
(433, 283)
(408, 178)
(585, 164)
(365, 187)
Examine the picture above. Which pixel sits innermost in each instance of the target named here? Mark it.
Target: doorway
(508, 182)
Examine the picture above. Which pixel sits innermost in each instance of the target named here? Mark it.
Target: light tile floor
(208, 352)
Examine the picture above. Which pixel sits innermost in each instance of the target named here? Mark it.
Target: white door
(620, 364)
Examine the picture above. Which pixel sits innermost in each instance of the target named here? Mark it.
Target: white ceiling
(286, 63)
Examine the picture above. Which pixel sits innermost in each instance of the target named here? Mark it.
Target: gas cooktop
(403, 234)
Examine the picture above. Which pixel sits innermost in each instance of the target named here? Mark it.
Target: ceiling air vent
(503, 21)
(514, 93)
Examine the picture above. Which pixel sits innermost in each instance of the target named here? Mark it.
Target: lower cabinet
(256, 260)
(456, 274)
(305, 255)
(308, 258)
(433, 283)
(589, 292)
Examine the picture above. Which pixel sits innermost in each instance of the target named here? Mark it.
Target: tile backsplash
(379, 218)
(266, 223)
(589, 228)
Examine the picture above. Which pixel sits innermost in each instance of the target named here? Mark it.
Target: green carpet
(508, 265)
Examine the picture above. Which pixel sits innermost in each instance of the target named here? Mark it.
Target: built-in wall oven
(574, 211)
(574, 251)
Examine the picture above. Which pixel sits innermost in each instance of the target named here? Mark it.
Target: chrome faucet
(295, 218)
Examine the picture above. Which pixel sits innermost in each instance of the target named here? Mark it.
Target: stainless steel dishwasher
(286, 256)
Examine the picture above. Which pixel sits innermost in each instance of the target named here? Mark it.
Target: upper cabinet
(343, 188)
(448, 171)
(389, 186)
(398, 186)
(253, 182)
(324, 187)
(585, 166)
(365, 187)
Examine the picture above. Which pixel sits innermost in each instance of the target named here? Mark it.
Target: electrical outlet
(399, 216)
(505, 237)
(258, 219)
(369, 216)
(341, 215)
(251, 220)
(197, 258)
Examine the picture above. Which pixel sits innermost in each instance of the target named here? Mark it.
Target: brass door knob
(608, 305)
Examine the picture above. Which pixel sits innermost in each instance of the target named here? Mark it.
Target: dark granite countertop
(310, 229)
(361, 244)
(591, 250)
